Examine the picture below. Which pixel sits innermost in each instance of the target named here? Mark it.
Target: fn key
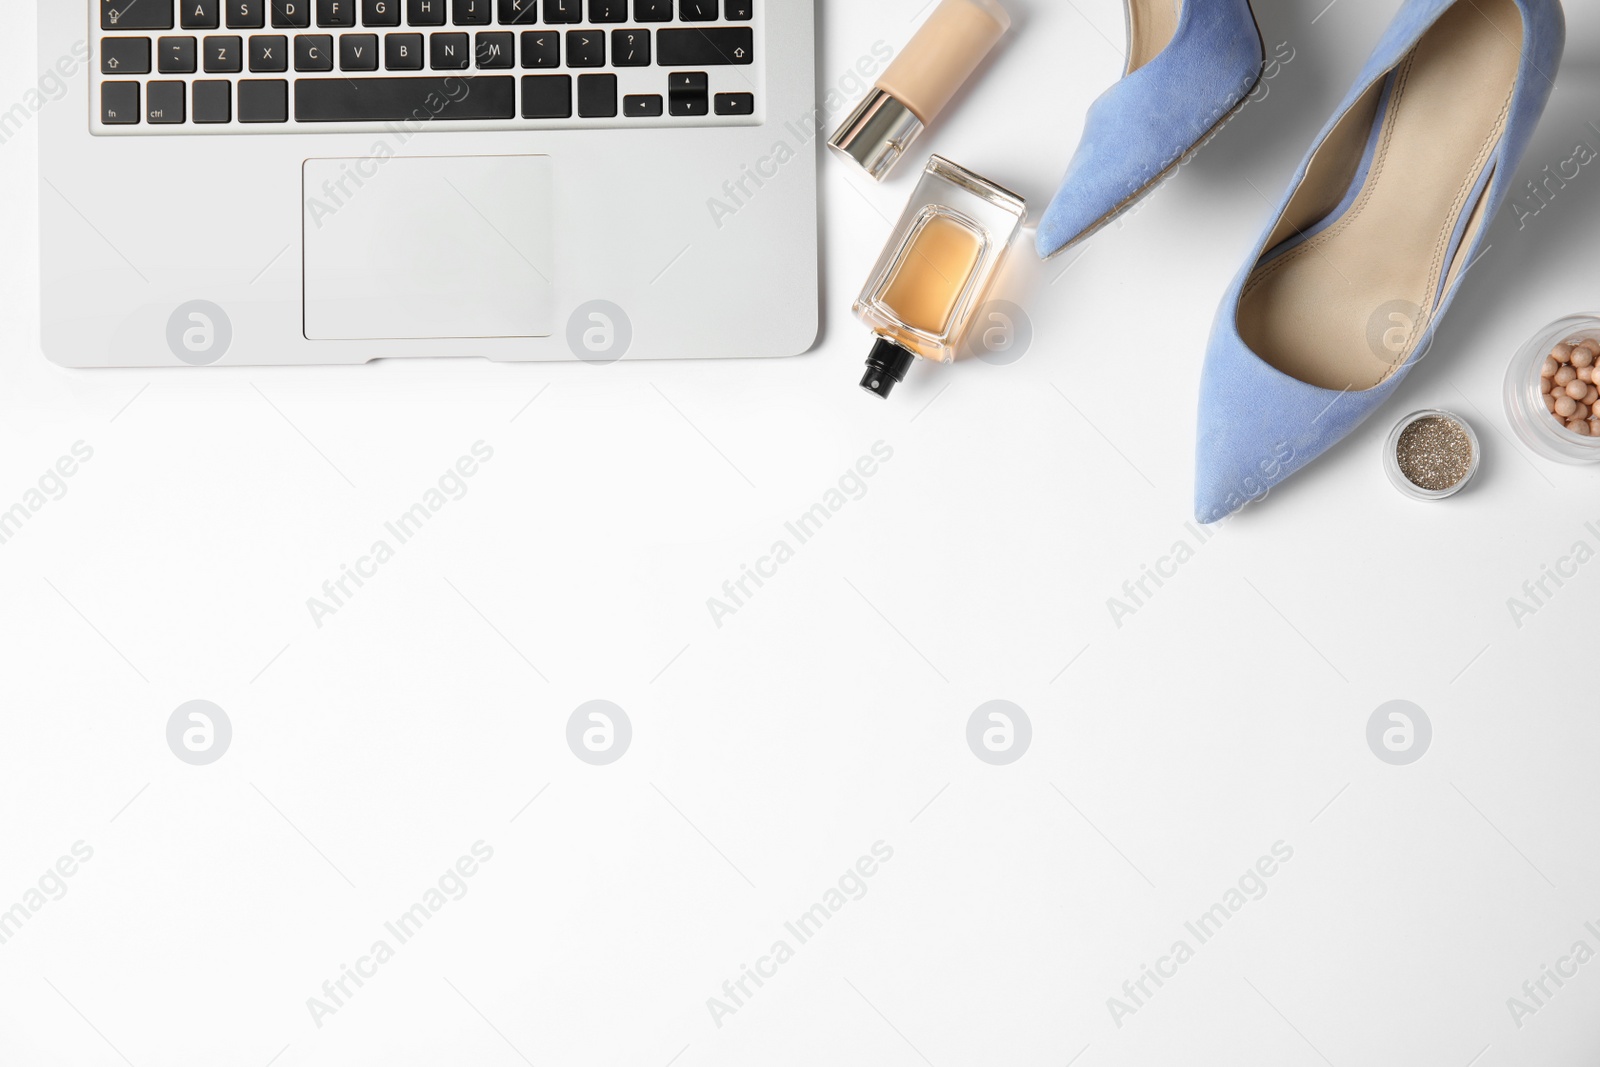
(119, 103)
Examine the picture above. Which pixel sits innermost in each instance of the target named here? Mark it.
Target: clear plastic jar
(1397, 475)
(1534, 424)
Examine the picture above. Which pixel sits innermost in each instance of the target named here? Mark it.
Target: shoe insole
(1151, 26)
(1347, 305)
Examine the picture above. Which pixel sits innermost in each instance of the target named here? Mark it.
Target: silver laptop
(232, 182)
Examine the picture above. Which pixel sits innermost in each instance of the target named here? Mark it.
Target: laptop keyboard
(237, 66)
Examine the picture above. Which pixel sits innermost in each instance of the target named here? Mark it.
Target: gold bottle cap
(877, 134)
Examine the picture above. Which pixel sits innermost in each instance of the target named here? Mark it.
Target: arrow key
(642, 107)
(688, 95)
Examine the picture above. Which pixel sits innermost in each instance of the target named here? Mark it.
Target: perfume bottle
(938, 266)
(917, 86)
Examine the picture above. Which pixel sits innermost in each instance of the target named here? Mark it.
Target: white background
(830, 711)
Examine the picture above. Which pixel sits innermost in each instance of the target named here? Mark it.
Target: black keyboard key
(400, 99)
(313, 53)
(496, 51)
(738, 10)
(689, 105)
(200, 14)
(736, 103)
(427, 12)
(546, 96)
(541, 49)
(125, 55)
(586, 48)
(358, 51)
(718, 47)
(291, 14)
(563, 11)
(474, 12)
(519, 12)
(264, 101)
(689, 94)
(176, 55)
(380, 12)
(630, 48)
(336, 14)
(213, 102)
(223, 55)
(268, 55)
(135, 15)
(165, 103)
(608, 10)
(450, 51)
(403, 51)
(697, 10)
(652, 10)
(597, 96)
(642, 107)
(119, 103)
(246, 14)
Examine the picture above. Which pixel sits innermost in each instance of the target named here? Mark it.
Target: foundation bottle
(936, 270)
(915, 88)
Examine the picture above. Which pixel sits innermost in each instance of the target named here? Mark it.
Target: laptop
(261, 182)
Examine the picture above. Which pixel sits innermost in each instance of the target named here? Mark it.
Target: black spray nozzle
(886, 368)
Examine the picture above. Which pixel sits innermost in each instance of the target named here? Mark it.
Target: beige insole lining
(1345, 308)
(1151, 26)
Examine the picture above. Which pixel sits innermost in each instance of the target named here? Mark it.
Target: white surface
(1227, 715)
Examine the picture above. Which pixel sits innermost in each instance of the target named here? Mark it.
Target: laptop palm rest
(434, 247)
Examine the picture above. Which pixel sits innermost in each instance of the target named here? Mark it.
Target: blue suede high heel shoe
(1188, 72)
(1342, 295)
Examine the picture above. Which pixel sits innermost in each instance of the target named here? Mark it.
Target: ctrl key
(119, 103)
(165, 103)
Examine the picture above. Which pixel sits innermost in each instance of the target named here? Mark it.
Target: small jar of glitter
(1529, 395)
(1432, 455)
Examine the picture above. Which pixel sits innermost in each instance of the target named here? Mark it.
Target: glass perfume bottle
(936, 270)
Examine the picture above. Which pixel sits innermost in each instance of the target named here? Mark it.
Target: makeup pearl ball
(1569, 385)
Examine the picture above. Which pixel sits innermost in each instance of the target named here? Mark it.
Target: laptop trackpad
(436, 247)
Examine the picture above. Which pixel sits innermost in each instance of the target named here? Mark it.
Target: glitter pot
(1432, 455)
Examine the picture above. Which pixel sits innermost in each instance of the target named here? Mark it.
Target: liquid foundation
(917, 86)
(936, 270)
